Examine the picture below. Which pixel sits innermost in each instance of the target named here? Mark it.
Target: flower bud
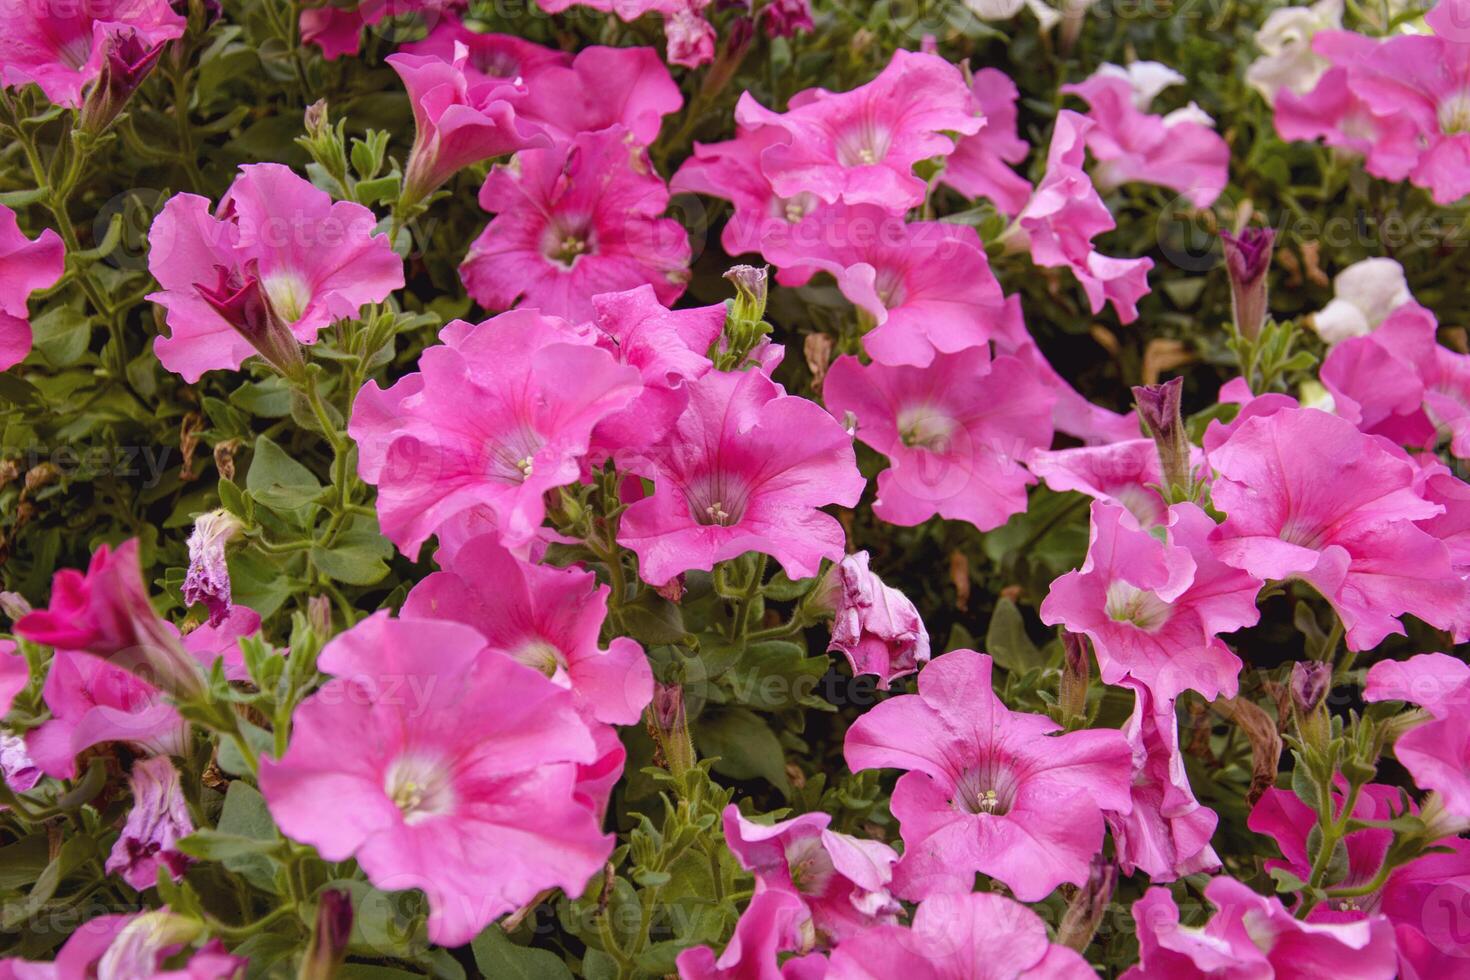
(1089, 905)
(324, 142)
(668, 723)
(751, 288)
(13, 605)
(1248, 259)
(1076, 673)
(329, 937)
(1159, 408)
(243, 304)
(319, 615)
(126, 62)
(1310, 682)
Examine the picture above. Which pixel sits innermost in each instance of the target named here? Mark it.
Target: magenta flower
(460, 117)
(544, 617)
(987, 789)
(1425, 78)
(158, 819)
(980, 165)
(146, 944)
(977, 936)
(860, 146)
(493, 57)
(1437, 752)
(62, 47)
(1179, 151)
(25, 266)
(276, 245)
(784, 18)
(573, 221)
(690, 38)
(1340, 517)
(876, 627)
(1166, 834)
(1123, 473)
(1065, 214)
(1252, 935)
(1154, 606)
(599, 88)
(338, 30)
(745, 468)
(926, 284)
(773, 922)
(432, 461)
(461, 780)
(842, 880)
(954, 432)
(15, 674)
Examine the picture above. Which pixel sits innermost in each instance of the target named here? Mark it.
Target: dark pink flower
(25, 266)
(62, 47)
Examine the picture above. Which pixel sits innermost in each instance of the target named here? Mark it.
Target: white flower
(1148, 79)
(1366, 293)
(1285, 40)
(995, 9)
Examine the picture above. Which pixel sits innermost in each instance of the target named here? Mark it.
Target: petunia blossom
(1124, 473)
(1340, 517)
(337, 31)
(433, 461)
(62, 47)
(1065, 214)
(842, 880)
(689, 37)
(26, 266)
(572, 221)
(1288, 63)
(955, 433)
(275, 241)
(980, 165)
(988, 789)
(496, 57)
(1253, 935)
(979, 936)
(745, 468)
(1166, 834)
(598, 88)
(207, 580)
(15, 674)
(1365, 294)
(772, 923)
(1154, 603)
(461, 780)
(860, 146)
(546, 618)
(875, 626)
(1437, 752)
(158, 819)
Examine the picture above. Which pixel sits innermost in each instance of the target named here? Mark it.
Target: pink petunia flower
(980, 165)
(495, 57)
(926, 284)
(544, 617)
(772, 923)
(1253, 935)
(460, 117)
(690, 38)
(158, 819)
(1123, 473)
(988, 789)
(1166, 834)
(1154, 602)
(62, 46)
(276, 239)
(954, 432)
(1425, 79)
(745, 468)
(1065, 214)
(842, 880)
(860, 146)
(1339, 517)
(875, 626)
(25, 266)
(461, 779)
(432, 461)
(602, 87)
(15, 674)
(141, 944)
(1437, 752)
(978, 936)
(1398, 382)
(573, 221)
(338, 30)
(17, 768)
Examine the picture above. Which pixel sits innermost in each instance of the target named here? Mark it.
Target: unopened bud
(751, 289)
(1089, 905)
(329, 936)
(1160, 408)
(242, 303)
(1076, 674)
(125, 63)
(1248, 259)
(1310, 682)
(668, 723)
(13, 605)
(319, 615)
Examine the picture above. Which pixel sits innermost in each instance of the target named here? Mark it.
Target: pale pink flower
(1167, 833)
(927, 285)
(842, 880)
(978, 936)
(1309, 496)
(1065, 214)
(432, 460)
(745, 468)
(773, 922)
(573, 221)
(876, 626)
(158, 819)
(954, 431)
(25, 266)
(988, 789)
(1154, 602)
(306, 259)
(62, 46)
(544, 617)
(690, 38)
(207, 580)
(980, 165)
(1180, 152)
(1253, 935)
(1123, 473)
(15, 674)
(441, 766)
(460, 117)
(1437, 752)
(860, 146)
(17, 768)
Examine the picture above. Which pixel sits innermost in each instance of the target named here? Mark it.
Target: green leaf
(498, 957)
(745, 745)
(277, 480)
(246, 817)
(1006, 639)
(21, 863)
(211, 845)
(358, 557)
(62, 334)
(653, 620)
(75, 851)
